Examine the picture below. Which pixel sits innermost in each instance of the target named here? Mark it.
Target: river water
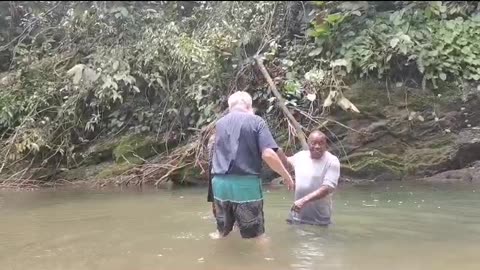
(387, 226)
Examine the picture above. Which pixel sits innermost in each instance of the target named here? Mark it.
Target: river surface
(376, 227)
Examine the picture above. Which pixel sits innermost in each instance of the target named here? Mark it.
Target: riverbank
(404, 134)
(126, 93)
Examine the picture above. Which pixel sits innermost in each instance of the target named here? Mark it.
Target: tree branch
(281, 102)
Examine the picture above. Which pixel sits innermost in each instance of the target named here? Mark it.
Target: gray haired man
(242, 141)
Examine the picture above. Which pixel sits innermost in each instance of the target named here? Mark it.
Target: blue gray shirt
(240, 139)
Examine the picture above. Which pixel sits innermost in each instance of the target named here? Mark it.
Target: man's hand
(289, 183)
(315, 195)
(298, 205)
(274, 162)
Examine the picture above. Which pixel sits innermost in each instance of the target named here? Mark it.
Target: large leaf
(76, 73)
(342, 63)
(443, 76)
(90, 75)
(315, 75)
(311, 97)
(319, 30)
(335, 18)
(345, 104)
(330, 99)
(394, 41)
(316, 52)
(339, 63)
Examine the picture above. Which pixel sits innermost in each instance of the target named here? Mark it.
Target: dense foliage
(73, 72)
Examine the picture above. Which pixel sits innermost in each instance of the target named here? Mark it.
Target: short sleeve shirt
(310, 175)
(240, 139)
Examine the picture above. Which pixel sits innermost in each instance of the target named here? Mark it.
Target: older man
(242, 141)
(316, 177)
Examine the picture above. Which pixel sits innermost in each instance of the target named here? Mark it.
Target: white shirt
(310, 175)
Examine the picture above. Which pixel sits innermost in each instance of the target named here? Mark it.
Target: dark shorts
(248, 216)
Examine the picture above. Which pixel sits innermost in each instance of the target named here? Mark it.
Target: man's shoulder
(240, 115)
(331, 158)
(253, 117)
(301, 153)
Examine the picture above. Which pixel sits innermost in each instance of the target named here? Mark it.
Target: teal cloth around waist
(237, 188)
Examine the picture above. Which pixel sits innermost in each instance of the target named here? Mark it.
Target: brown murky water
(382, 227)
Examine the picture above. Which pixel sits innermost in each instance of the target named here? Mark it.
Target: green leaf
(270, 108)
(115, 65)
(339, 62)
(35, 147)
(335, 18)
(450, 25)
(116, 96)
(475, 77)
(443, 76)
(433, 53)
(443, 9)
(319, 30)
(357, 13)
(403, 48)
(312, 33)
(396, 18)
(466, 50)
(421, 65)
(406, 38)
(428, 12)
(316, 52)
(393, 42)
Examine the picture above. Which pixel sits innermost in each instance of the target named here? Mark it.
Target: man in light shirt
(316, 177)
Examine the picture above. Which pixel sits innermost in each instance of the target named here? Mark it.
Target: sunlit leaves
(437, 47)
(315, 76)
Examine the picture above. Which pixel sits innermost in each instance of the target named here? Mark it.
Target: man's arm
(328, 186)
(318, 194)
(284, 160)
(274, 162)
(268, 148)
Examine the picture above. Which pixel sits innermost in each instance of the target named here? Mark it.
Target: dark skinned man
(316, 177)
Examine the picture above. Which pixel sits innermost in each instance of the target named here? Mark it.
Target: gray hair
(240, 99)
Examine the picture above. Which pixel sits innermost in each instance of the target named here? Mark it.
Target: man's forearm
(274, 162)
(317, 194)
(283, 158)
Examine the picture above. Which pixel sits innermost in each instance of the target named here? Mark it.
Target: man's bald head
(317, 144)
(317, 135)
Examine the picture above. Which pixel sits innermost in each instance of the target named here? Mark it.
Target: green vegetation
(77, 73)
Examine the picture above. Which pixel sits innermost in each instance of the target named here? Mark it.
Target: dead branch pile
(171, 167)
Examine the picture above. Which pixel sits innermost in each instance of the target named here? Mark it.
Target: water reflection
(165, 230)
(313, 248)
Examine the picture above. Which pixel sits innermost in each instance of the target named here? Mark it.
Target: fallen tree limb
(281, 102)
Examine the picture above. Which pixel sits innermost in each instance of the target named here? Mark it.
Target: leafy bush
(437, 41)
(84, 70)
(73, 72)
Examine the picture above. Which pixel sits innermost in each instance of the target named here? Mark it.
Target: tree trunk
(281, 102)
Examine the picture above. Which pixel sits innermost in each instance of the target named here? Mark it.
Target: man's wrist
(288, 178)
(303, 200)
